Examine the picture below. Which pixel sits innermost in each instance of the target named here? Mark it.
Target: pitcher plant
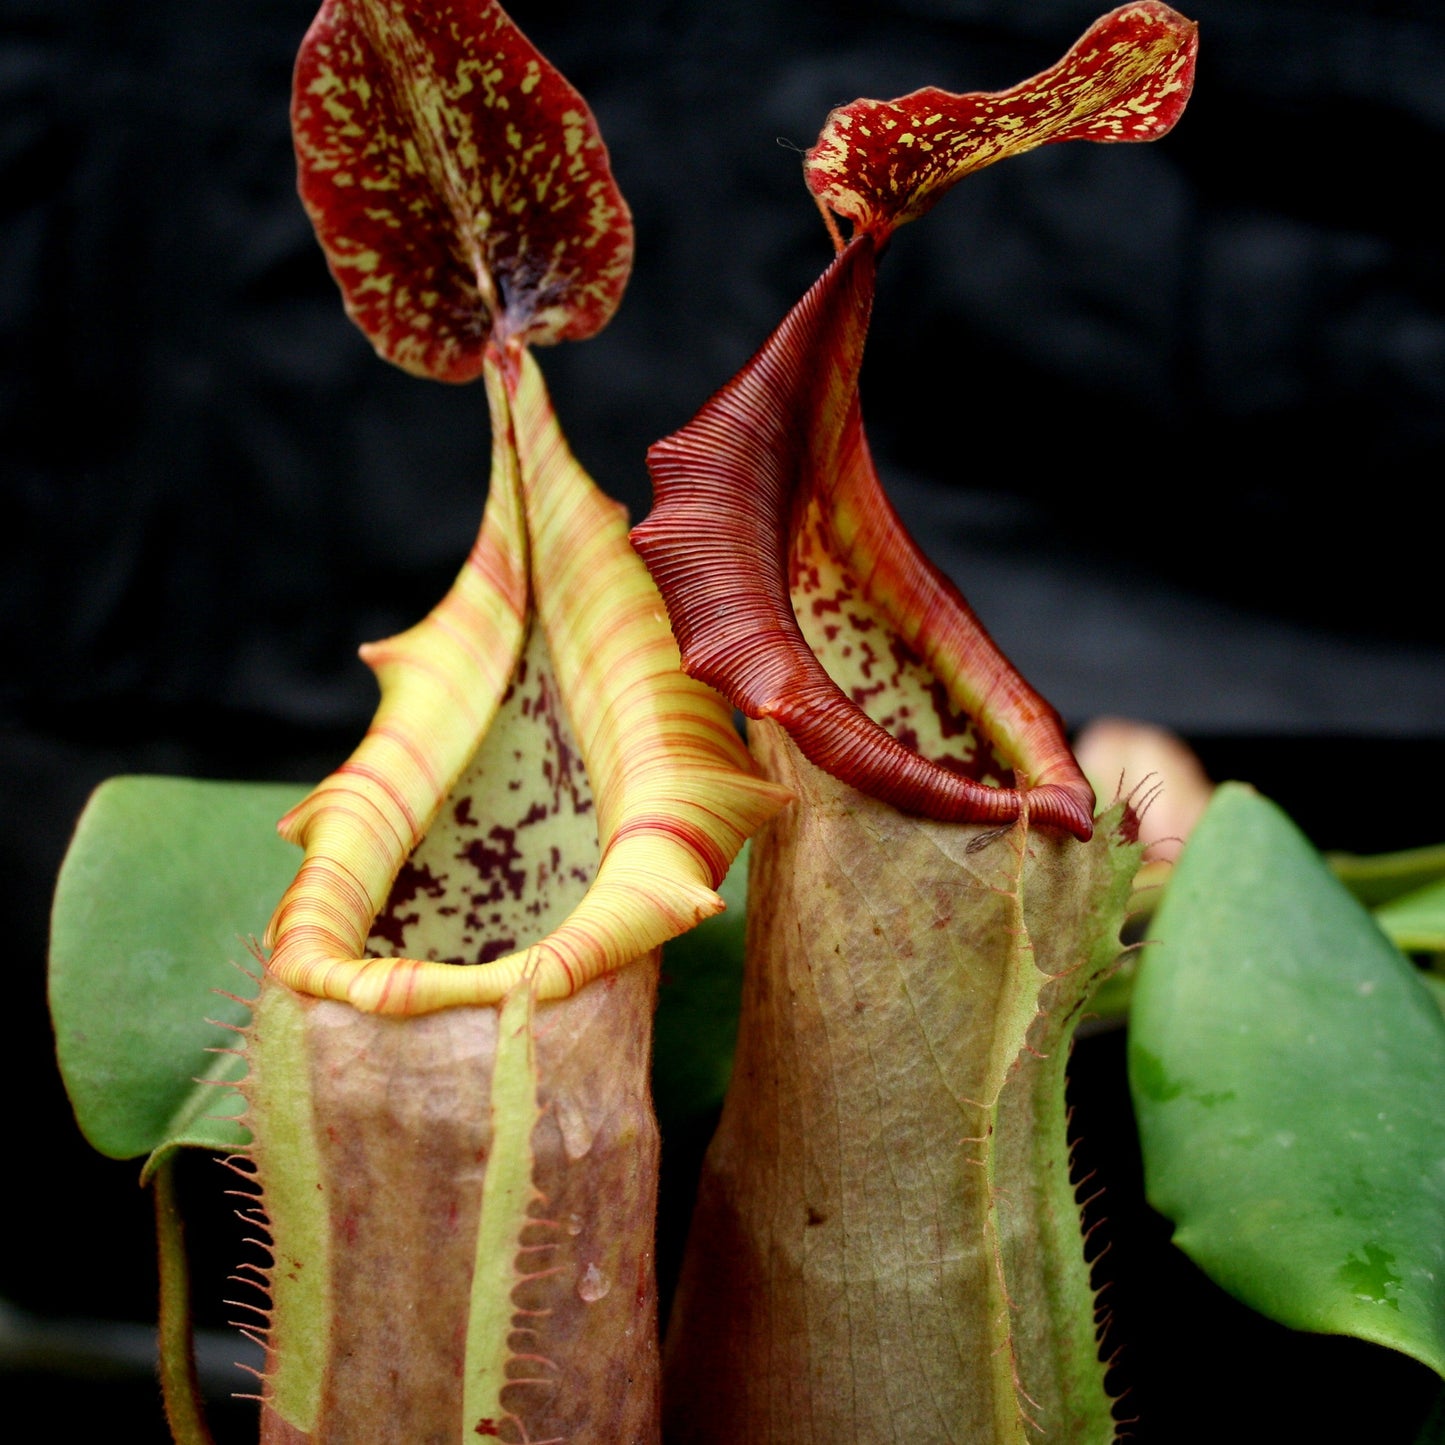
(886, 1244)
(453, 1144)
(440, 1048)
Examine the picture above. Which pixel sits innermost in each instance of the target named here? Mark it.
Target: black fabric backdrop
(1191, 389)
(1173, 416)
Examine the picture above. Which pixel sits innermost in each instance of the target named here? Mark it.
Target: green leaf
(1287, 1068)
(1416, 921)
(1376, 878)
(165, 880)
(697, 1006)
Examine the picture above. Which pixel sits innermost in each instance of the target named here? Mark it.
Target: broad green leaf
(697, 1006)
(1287, 1067)
(165, 881)
(1416, 921)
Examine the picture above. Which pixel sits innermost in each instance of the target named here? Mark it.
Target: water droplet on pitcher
(593, 1284)
(574, 1224)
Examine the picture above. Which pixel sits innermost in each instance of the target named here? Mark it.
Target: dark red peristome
(883, 162)
(456, 181)
(728, 486)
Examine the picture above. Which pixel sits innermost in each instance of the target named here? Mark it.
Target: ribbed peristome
(674, 790)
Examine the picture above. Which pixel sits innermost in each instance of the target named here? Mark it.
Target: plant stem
(180, 1387)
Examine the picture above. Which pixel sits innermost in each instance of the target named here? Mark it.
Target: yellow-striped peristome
(674, 791)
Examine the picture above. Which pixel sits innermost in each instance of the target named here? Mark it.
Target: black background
(1171, 415)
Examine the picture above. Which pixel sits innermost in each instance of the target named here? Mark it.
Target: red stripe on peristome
(420, 757)
(414, 659)
(352, 767)
(697, 838)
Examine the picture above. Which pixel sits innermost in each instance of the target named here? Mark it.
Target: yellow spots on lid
(327, 82)
(438, 135)
(602, 216)
(932, 119)
(379, 282)
(365, 261)
(574, 131)
(907, 138)
(492, 79)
